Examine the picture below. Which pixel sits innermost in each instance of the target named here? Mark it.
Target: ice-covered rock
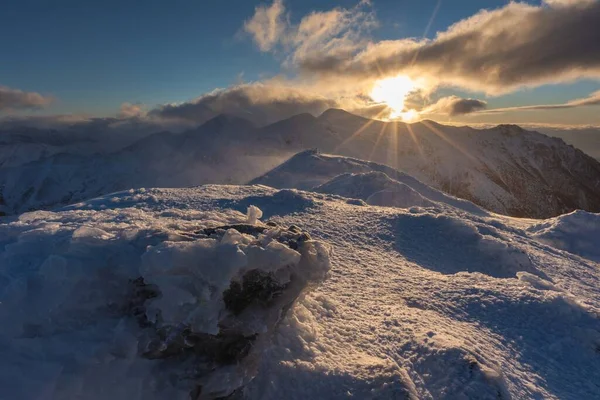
(196, 295)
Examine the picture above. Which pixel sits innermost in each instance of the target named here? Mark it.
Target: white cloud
(262, 103)
(128, 110)
(268, 25)
(592, 100)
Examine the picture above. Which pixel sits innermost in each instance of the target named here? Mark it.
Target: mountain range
(504, 169)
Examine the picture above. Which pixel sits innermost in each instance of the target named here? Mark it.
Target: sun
(393, 92)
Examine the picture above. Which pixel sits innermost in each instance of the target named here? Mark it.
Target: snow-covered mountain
(210, 153)
(21, 144)
(185, 293)
(504, 169)
(357, 179)
(585, 138)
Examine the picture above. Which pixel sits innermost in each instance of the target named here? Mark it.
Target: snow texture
(127, 295)
(577, 232)
(422, 302)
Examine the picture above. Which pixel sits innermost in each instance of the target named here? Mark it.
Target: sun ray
(445, 138)
(394, 146)
(359, 130)
(379, 136)
(413, 136)
(427, 28)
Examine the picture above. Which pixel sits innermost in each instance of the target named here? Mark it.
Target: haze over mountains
(504, 169)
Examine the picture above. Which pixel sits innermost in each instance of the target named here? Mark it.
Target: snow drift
(577, 232)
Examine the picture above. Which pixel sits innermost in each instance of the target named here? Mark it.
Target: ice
(86, 299)
(254, 214)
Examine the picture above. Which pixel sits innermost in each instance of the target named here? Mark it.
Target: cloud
(128, 110)
(567, 3)
(261, 103)
(15, 99)
(592, 100)
(454, 105)
(337, 32)
(267, 26)
(494, 51)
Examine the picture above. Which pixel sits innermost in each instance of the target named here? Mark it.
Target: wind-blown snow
(430, 303)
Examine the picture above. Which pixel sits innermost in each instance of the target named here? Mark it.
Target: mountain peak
(510, 129)
(337, 113)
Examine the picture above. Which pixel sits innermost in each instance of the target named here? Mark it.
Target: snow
(577, 232)
(351, 177)
(65, 289)
(66, 173)
(422, 302)
(376, 188)
(402, 196)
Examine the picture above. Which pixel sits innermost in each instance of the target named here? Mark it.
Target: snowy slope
(584, 138)
(21, 143)
(354, 178)
(428, 303)
(577, 232)
(21, 146)
(505, 169)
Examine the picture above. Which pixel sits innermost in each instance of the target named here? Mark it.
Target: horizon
(272, 60)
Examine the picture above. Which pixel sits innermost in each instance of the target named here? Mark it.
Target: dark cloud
(518, 45)
(454, 105)
(14, 99)
(261, 103)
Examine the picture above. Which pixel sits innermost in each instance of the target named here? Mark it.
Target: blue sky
(93, 56)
